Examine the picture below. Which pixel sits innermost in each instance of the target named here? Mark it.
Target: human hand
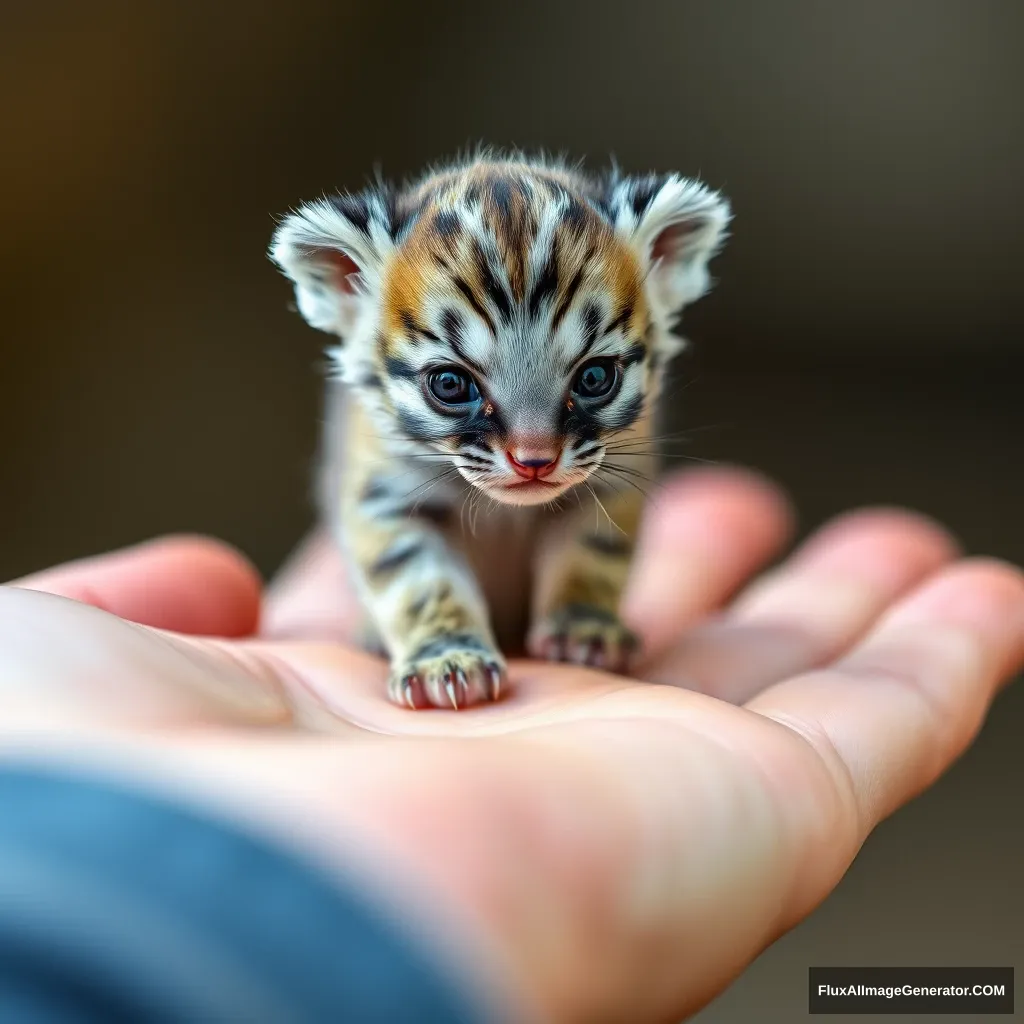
(615, 849)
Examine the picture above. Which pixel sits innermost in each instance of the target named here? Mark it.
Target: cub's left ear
(675, 226)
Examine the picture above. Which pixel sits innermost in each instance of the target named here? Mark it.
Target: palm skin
(595, 847)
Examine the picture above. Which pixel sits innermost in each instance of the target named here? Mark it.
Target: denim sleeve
(116, 906)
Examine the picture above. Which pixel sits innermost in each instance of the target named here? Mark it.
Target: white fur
(677, 280)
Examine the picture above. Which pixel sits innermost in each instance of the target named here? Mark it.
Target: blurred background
(865, 343)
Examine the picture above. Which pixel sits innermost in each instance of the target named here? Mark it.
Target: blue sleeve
(116, 906)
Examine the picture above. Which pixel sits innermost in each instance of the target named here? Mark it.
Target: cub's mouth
(527, 492)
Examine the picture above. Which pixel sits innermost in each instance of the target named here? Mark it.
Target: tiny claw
(407, 690)
(449, 688)
(463, 681)
(493, 681)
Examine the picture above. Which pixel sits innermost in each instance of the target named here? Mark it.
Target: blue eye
(453, 387)
(596, 378)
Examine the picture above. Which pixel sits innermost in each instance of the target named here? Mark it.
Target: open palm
(598, 847)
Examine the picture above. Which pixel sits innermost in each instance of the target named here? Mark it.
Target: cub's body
(505, 326)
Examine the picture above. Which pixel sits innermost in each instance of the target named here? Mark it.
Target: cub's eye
(596, 378)
(453, 387)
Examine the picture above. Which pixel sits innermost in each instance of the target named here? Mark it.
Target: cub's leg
(581, 576)
(418, 589)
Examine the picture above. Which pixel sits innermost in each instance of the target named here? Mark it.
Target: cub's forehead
(497, 247)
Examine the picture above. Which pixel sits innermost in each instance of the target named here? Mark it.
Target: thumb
(188, 584)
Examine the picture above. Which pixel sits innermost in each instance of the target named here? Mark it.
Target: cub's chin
(527, 492)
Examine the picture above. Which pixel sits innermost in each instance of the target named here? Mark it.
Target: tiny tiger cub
(504, 325)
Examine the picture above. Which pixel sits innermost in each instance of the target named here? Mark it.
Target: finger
(185, 584)
(311, 598)
(811, 608)
(64, 662)
(894, 713)
(705, 533)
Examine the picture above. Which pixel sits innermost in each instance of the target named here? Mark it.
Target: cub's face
(511, 318)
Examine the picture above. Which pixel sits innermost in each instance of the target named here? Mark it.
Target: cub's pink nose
(533, 463)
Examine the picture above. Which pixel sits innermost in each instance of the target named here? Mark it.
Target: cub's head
(513, 316)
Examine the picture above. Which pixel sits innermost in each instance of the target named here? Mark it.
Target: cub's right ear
(333, 250)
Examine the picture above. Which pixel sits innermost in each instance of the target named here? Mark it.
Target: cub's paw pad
(584, 635)
(449, 672)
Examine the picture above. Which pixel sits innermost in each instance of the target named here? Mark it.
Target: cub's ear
(333, 250)
(675, 226)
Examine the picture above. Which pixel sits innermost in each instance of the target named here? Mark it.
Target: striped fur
(519, 276)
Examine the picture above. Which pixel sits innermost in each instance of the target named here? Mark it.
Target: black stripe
(547, 285)
(416, 428)
(584, 611)
(375, 490)
(643, 192)
(636, 353)
(461, 353)
(399, 368)
(355, 210)
(501, 194)
(452, 326)
(412, 329)
(580, 424)
(627, 415)
(612, 545)
(494, 290)
(570, 294)
(391, 560)
(447, 225)
(402, 213)
(555, 188)
(591, 324)
(477, 308)
(441, 645)
(604, 207)
(575, 214)
(625, 315)
(591, 327)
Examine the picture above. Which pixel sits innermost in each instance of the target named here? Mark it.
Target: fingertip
(727, 480)
(741, 500)
(905, 532)
(215, 557)
(985, 595)
(221, 589)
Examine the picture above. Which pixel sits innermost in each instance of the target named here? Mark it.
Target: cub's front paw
(584, 635)
(455, 671)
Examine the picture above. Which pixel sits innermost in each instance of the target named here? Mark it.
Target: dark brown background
(864, 345)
